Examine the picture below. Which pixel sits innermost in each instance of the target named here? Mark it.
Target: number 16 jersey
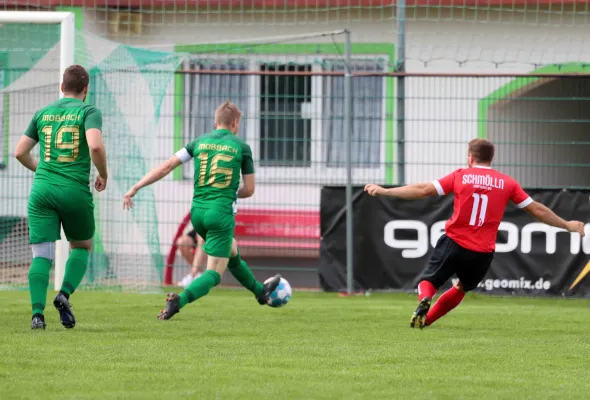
(481, 196)
(220, 157)
(60, 128)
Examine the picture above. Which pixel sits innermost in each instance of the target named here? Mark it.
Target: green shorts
(216, 228)
(51, 206)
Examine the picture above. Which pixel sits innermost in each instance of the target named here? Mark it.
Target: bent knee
(462, 287)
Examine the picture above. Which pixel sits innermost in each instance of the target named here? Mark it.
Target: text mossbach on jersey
(61, 118)
(218, 147)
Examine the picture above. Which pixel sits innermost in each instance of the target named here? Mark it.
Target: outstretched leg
(445, 303)
(239, 269)
(472, 268)
(198, 288)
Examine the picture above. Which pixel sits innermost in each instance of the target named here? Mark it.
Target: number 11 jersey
(481, 197)
(220, 157)
(60, 128)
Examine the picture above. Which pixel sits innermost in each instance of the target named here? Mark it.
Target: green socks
(75, 270)
(38, 282)
(239, 269)
(39, 277)
(199, 287)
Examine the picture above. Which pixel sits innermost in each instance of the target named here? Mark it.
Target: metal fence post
(348, 138)
(400, 66)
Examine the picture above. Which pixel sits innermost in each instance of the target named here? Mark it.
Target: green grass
(318, 347)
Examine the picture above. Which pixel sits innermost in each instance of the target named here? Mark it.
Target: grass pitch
(319, 346)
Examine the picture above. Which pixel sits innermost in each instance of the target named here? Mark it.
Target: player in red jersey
(467, 247)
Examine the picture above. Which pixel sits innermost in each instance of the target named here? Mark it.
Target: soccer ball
(281, 295)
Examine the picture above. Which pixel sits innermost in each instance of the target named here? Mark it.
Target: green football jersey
(219, 158)
(60, 128)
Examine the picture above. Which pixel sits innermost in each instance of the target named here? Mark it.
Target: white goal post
(66, 21)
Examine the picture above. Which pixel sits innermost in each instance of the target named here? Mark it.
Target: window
(285, 135)
(367, 116)
(293, 121)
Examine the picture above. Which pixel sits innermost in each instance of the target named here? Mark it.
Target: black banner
(394, 239)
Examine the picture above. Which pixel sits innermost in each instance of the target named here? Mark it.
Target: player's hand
(127, 202)
(374, 190)
(575, 226)
(100, 184)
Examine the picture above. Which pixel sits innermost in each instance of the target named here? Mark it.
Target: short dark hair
(75, 79)
(482, 150)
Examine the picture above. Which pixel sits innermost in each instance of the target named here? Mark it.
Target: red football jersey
(481, 196)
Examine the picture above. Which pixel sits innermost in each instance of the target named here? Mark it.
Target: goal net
(129, 85)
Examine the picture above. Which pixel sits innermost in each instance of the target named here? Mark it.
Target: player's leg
(76, 266)
(217, 229)
(44, 230)
(77, 214)
(200, 258)
(440, 269)
(471, 269)
(186, 246)
(239, 269)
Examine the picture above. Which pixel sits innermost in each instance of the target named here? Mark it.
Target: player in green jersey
(219, 156)
(69, 135)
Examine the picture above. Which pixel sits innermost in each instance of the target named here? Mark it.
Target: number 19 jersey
(60, 128)
(481, 197)
(220, 157)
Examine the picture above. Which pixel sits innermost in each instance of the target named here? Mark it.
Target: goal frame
(67, 23)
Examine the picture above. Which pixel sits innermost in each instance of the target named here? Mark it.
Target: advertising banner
(394, 238)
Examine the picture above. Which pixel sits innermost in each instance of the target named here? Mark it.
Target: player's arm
(547, 216)
(182, 156)
(248, 186)
(26, 144)
(23, 153)
(543, 213)
(98, 154)
(408, 192)
(416, 191)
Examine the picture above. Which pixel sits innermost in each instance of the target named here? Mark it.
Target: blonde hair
(227, 113)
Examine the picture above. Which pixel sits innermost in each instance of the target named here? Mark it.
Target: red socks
(426, 289)
(445, 303)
